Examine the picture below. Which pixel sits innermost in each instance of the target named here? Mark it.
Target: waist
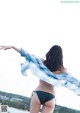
(45, 87)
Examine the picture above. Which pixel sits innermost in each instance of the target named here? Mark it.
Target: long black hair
(54, 58)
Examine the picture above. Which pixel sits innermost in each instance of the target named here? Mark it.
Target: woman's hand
(5, 47)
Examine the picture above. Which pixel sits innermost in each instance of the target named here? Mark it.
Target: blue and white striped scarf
(42, 72)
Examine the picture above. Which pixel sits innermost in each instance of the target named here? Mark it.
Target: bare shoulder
(63, 70)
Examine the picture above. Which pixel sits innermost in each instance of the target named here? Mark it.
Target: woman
(44, 94)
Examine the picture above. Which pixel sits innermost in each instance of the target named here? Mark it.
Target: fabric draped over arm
(42, 72)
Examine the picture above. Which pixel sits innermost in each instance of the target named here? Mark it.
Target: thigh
(34, 104)
(49, 106)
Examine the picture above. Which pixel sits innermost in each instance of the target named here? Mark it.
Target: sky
(36, 25)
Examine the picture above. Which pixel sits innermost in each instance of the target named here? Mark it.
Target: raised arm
(9, 47)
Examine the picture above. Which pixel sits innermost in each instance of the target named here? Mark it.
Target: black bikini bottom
(44, 96)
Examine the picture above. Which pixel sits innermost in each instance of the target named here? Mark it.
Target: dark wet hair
(54, 58)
